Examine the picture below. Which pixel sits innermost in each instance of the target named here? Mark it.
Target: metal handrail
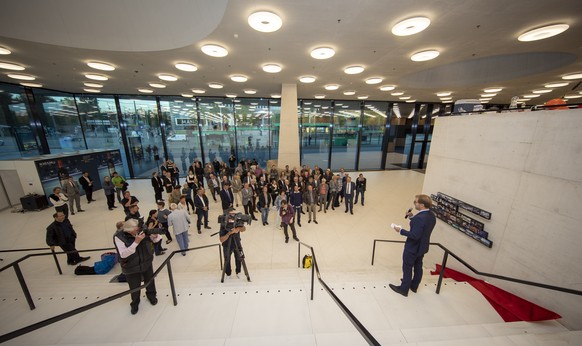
(315, 269)
(54, 319)
(471, 268)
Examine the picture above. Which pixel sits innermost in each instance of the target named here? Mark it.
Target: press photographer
(231, 224)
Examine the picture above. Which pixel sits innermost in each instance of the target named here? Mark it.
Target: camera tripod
(238, 252)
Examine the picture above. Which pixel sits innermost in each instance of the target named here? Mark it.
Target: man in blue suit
(348, 191)
(417, 243)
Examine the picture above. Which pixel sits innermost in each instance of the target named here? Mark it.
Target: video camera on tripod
(230, 221)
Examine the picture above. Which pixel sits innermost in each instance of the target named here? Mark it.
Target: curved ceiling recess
(487, 70)
(114, 25)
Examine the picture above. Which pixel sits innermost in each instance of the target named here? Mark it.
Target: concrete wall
(288, 130)
(526, 169)
(27, 174)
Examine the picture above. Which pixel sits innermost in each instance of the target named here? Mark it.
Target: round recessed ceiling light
(425, 55)
(363, 97)
(354, 69)
(485, 99)
(572, 96)
(96, 76)
(397, 93)
(331, 87)
(21, 76)
(492, 90)
(93, 85)
(272, 68)
(319, 96)
(443, 93)
(239, 78)
(4, 51)
(103, 66)
(198, 91)
(214, 50)
(264, 21)
(145, 91)
(374, 80)
(322, 53)
(183, 66)
(531, 96)
(410, 26)
(11, 66)
(488, 95)
(167, 77)
(404, 97)
(410, 101)
(307, 79)
(572, 76)
(543, 32)
(556, 85)
(387, 87)
(349, 92)
(250, 91)
(542, 91)
(32, 85)
(187, 95)
(276, 96)
(215, 86)
(446, 98)
(231, 95)
(92, 90)
(157, 85)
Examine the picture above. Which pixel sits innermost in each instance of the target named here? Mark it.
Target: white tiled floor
(273, 309)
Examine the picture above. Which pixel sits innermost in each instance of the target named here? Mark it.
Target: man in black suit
(417, 243)
(61, 233)
(348, 193)
(87, 184)
(201, 204)
(226, 197)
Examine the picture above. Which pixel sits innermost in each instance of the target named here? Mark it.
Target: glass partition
(253, 129)
(315, 132)
(17, 138)
(346, 126)
(218, 131)
(373, 125)
(399, 136)
(275, 117)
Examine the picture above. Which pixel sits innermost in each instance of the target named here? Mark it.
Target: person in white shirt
(59, 201)
(179, 219)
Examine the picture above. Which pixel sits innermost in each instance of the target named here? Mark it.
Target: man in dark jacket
(136, 255)
(87, 184)
(360, 188)
(61, 233)
(226, 197)
(201, 204)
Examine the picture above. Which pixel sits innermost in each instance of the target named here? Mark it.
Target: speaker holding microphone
(407, 212)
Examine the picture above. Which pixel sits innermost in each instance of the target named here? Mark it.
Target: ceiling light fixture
(183, 66)
(167, 77)
(187, 95)
(92, 90)
(542, 91)
(145, 91)
(276, 96)
(239, 78)
(198, 91)
(556, 85)
(363, 97)
(425, 55)
(93, 85)
(4, 51)
(215, 85)
(397, 93)
(103, 66)
(374, 80)
(96, 76)
(354, 69)
(446, 98)
(488, 95)
(21, 76)
(443, 93)
(322, 53)
(404, 97)
(272, 68)
(232, 96)
(331, 87)
(531, 96)
(157, 85)
(307, 79)
(387, 87)
(492, 90)
(572, 76)
(410, 101)
(543, 32)
(214, 50)
(11, 66)
(250, 91)
(319, 96)
(349, 92)
(572, 96)
(410, 26)
(264, 21)
(32, 85)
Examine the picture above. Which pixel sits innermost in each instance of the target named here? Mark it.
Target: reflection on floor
(275, 307)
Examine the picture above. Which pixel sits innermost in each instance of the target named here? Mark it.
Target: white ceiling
(477, 41)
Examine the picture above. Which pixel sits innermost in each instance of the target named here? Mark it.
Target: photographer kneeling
(229, 235)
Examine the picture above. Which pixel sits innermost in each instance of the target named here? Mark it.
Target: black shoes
(414, 290)
(398, 290)
(206, 227)
(298, 224)
(297, 239)
(309, 221)
(134, 309)
(199, 232)
(286, 240)
(315, 221)
(83, 259)
(153, 301)
(80, 211)
(168, 241)
(351, 212)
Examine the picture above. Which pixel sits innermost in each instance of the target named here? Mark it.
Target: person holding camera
(135, 253)
(180, 221)
(287, 212)
(227, 237)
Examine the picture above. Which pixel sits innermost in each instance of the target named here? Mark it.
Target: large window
(373, 125)
(217, 125)
(346, 126)
(253, 129)
(275, 116)
(17, 138)
(315, 132)
(400, 136)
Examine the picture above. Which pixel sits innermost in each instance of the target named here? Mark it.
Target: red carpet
(509, 306)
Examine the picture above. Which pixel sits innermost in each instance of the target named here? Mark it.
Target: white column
(289, 128)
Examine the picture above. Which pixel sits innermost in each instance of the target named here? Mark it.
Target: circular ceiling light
(92, 90)
(145, 91)
(349, 92)
(307, 79)
(572, 76)
(319, 96)
(276, 96)
(488, 95)
(387, 87)
(11, 66)
(410, 26)
(239, 78)
(572, 96)
(531, 96)
(425, 55)
(264, 21)
(404, 97)
(231, 95)
(32, 85)
(556, 85)
(543, 32)
(157, 85)
(183, 66)
(542, 91)
(21, 76)
(444, 93)
(322, 53)
(93, 85)
(167, 77)
(331, 87)
(272, 68)
(187, 95)
(410, 101)
(354, 69)
(363, 97)
(397, 93)
(250, 91)
(198, 91)
(4, 51)
(492, 90)
(214, 50)
(103, 66)
(215, 85)
(374, 80)
(446, 98)
(96, 76)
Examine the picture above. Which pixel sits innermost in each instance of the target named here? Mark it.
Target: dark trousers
(89, 194)
(292, 230)
(63, 208)
(411, 262)
(228, 255)
(297, 213)
(190, 202)
(158, 194)
(166, 231)
(72, 254)
(349, 199)
(358, 191)
(110, 201)
(250, 210)
(134, 280)
(201, 214)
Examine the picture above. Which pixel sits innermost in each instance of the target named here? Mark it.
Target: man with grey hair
(179, 219)
(136, 255)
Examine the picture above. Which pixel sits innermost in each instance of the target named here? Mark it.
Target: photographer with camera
(136, 256)
(231, 224)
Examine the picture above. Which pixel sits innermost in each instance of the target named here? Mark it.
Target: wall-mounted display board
(447, 209)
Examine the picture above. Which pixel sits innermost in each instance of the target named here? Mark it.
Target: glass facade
(315, 132)
(17, 136)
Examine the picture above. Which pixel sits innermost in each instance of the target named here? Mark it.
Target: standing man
(136, 254)
(87, 184)
(179, 219)
(213, 185)
(360, 187)
(71, 190)
(226, 239)
(201, 203)
(128, 201)
(348, 193)
(264, 203)
(61, 233)
(118, 181)
(226, 196)
(296, 199)
(158, 185)
(59, 201)
(310, 200)
(417, 243)
(247, 196)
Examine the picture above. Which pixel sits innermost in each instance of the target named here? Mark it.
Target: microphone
(408, 211)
